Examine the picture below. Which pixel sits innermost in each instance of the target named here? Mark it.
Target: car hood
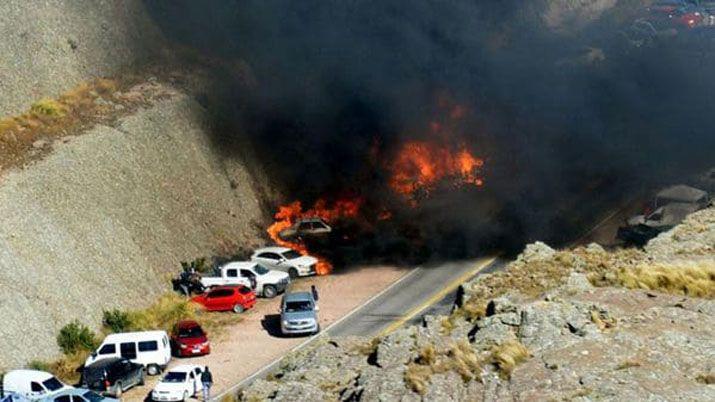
(173, 387)
(299, 315)
(274, 276)
(304, 261)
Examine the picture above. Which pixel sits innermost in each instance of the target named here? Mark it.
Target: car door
(219, 299)
(271, 260)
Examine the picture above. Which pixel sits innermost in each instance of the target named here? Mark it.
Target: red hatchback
(227, 298)
(189, 339)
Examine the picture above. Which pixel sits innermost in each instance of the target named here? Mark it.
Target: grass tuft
(507, 356)
(708, 378)
(48, 107)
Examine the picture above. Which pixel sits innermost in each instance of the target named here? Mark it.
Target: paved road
(424, 290)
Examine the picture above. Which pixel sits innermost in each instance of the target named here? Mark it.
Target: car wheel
(186, 396)
(293, 273)
(118, 390)
(152, 369)
(317, 330)
(269, 291)
(238, 309)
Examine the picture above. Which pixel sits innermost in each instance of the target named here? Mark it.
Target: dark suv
(112, 376)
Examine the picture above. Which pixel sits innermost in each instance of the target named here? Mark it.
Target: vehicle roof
(239, 264)
(273, 249)
(124, 335)
(71, 391)
(681, 192)
(108, 361)
(311, 219)
(187, 324)
(298, 296)
(37, 375)
(185, 368)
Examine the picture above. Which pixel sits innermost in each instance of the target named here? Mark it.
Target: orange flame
(421, 165)
(287, 215)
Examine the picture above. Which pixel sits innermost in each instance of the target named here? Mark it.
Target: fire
(287, 215)
(420, 165)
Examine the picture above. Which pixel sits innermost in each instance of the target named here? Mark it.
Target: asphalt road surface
(424, 290)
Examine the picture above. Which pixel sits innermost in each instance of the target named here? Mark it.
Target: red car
(227, 298)
(189, 339)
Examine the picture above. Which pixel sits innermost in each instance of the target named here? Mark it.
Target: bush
(163, 314)
(75, 337)
(40, 365)
(116, 320)
(199, 265)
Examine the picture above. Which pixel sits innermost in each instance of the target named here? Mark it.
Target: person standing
(207, 381)
(458, 298)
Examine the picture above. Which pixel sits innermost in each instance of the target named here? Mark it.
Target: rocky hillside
(106, 214)
(51, 46)
(580, 324)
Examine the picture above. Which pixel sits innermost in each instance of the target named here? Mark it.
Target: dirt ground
(247, 346)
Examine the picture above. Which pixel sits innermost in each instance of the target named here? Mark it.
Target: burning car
(671, 206)
(305, 227)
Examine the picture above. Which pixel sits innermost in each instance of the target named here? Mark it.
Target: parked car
(31, 384)
(287, 260)
(179, 384)
(112, 376)
(299, 314)
(189, 339)
(305, 227)
(265, 282)
(151, 349)
(78, 395)
(237, 298)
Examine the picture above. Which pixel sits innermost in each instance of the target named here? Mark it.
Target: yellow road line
(437, 296)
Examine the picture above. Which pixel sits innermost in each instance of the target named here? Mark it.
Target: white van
(31, 384)
(148, 348)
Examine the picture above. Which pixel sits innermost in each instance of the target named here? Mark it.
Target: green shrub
(75, 337)
(47, 107)
(198, 264)
(116, 320)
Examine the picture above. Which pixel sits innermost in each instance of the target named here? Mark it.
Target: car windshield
(260, 270)
(52, 384)
(296, 306)
(244, 290)
(92, 396)
(191, 332)
(291, 255)
(174, 376)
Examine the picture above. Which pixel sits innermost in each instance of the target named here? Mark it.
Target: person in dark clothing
(314, 291)
(459, 298)
(207, 381)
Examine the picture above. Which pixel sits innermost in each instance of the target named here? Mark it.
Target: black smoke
(570, 118)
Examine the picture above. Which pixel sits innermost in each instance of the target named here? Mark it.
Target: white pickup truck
(265, 282)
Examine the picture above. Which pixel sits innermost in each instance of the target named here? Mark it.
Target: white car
(32, 384)
(148, 348)
(265, 282)
(286, 260)
(179, 384)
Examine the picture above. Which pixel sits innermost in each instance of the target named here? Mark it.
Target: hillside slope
(51, 46)
(582, 324)
(100, 221)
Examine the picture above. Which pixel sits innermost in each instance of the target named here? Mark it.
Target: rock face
(101, 221)
(540, 330)
(51, 46)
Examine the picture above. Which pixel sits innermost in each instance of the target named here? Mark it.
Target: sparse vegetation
(460, 358)
(116, 320)
(626, 364)
(708, 378)
(507, 356)
(603, 319)
(48, 107)
(199, 265)
(75, 337)
(695, 279)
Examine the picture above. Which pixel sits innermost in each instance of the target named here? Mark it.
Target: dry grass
(507, 356)
(708, 378)
(628, 364)
(603, 319)
(694, 279)
(459, 358)
(65, 368)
